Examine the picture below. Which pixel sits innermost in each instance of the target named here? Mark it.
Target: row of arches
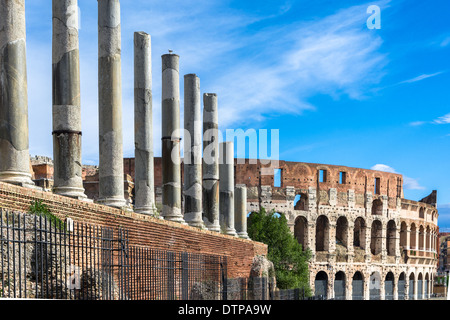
(374, 287)
(365, 237)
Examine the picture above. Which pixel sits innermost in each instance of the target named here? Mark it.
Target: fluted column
(211, 162)
(14, 143)
(240, 210)
(226, 187)
(144, 182)
(171, 170)
(192, 152)
(111, 182)
(66, 101)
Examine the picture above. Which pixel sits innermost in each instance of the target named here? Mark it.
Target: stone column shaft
(240, 210)
(66, 101)
(211, 162)
(14, 141)
(171, 170)
(143, 124)
(192, 152)
(111, 181)
(226, 187)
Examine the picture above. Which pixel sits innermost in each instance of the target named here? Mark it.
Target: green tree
(290, 261)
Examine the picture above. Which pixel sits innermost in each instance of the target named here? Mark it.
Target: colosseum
(367, 241)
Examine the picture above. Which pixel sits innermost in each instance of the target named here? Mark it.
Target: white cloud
(443, 120)
(408, 183)
(422, 77)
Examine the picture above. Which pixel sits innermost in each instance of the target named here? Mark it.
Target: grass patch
(42, 210)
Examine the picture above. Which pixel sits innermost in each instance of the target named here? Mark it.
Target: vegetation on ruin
(289, 259)
(42, 210)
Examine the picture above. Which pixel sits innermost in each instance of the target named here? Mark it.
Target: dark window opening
(322, 175)
(342, 177)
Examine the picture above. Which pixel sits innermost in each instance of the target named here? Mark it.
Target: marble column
(111, 181)
(192, 152)
(143, 124)
(240, 210)
(14, 142)
(211, 162)
(226, 188)
(171, 163)
(66, 101)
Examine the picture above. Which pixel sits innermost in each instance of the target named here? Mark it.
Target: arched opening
(426, 286)
(422, 213)
(339, 286)
(401, 286)
(301, 231)
(427, 239)
(321, 285)
(341, 239)
(375, 238)
(359, 239)
(412, 289)
(421, 238)
(301, 202)
(420, 287)
(391, 232)
(357, 286)
(374, 286)
(322, 234)
(403, 235)
(413, 233)
(389, 286)
(377, 207)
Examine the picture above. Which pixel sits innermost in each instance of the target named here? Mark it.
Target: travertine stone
(111, 182)
(240, 210)
(66, 101)
(14, 144)
(192, 152)
(211, 162)
(143, 137)
(171, 170)
(226, 187)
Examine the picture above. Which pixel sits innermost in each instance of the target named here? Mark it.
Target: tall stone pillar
(192, 152)
(226, 188)
(14, 143)
(171, 170)
(143, 124)
(240, 210)
(66, 101)
(211, 162)
(111, 182)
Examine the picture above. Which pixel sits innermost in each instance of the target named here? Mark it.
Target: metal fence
(43, 257)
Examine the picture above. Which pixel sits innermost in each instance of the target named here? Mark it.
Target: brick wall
(143, 230)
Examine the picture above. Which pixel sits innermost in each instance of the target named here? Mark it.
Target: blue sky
(339, 92)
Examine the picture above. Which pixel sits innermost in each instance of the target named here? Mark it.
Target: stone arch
(342, 231)
(321, 284)
(401, 286)
(427, 238)
(421, 238)
(426, 286)
(375, 238)
(301, 231)
(421, 213)
(412, 289)
(413, 238)
(322, 233)
(389, 286)
(301, 201)
(403, 235)
(377, 207)
(358, 286)
(339, 285)
(391, 232)
(359, 233)
(375, 285)
(420, 286)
